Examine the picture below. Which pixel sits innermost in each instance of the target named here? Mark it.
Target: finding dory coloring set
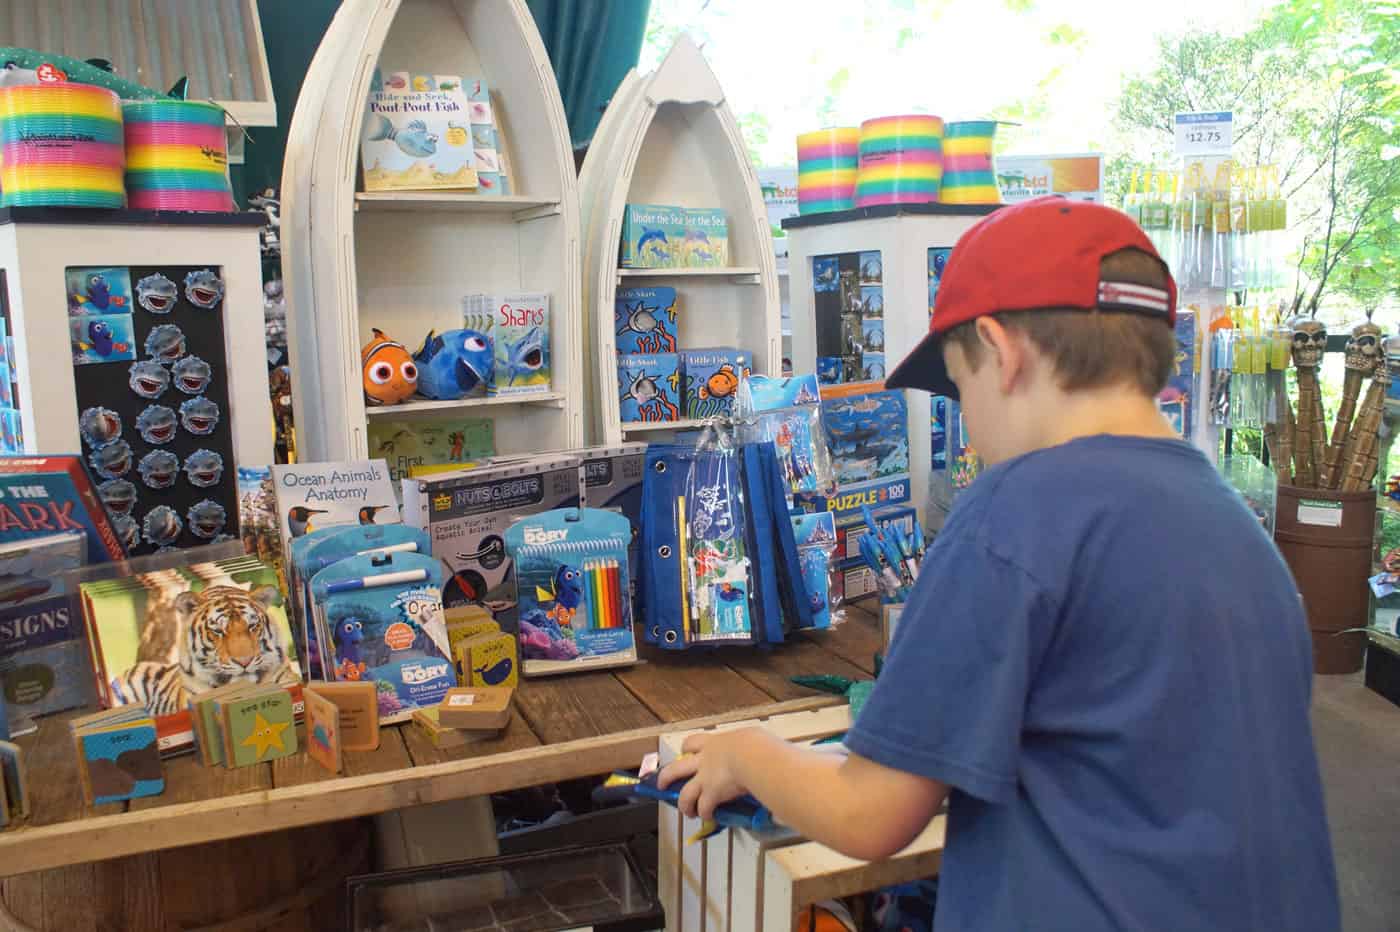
(151, 381)
(383, 612)
(659, 236)
(572, 590)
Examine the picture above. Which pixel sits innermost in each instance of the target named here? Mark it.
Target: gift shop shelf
(522, 207)
(656, 427)
(402, 261)
(424, 406)
(669, 138)
(741, 276)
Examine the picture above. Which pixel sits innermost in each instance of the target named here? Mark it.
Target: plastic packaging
(714, 560)
(787, 411)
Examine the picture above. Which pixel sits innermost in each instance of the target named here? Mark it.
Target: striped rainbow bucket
(901, 160)
(60, 146)
(176, 155)
(826, 169)
(969, 176)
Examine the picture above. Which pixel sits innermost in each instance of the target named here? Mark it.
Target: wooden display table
(563, 728)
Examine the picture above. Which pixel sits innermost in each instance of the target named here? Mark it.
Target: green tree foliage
(1315, 89)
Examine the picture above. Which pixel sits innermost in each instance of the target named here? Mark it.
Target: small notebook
(359, 712)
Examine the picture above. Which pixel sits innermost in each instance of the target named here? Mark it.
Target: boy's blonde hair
(1093, 349)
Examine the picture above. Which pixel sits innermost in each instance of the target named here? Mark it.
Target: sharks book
(42, 495)
(417, 133)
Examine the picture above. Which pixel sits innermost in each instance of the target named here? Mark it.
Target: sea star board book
(258, 727)
(572, 580)
(418, 133)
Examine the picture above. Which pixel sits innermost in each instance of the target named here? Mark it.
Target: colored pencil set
(603, 583)
(893, 556)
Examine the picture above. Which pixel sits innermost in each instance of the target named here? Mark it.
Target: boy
(1104, 665)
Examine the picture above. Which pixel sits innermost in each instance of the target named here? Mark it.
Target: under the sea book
(417, 133)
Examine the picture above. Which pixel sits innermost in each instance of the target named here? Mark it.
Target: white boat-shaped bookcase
(401, 261)
(670, 138)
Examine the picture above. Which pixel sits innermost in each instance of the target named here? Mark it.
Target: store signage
(1205, 133)
(1077, 177)
(1319, 512)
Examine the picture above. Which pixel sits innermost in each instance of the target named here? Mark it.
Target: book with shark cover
(42, 495)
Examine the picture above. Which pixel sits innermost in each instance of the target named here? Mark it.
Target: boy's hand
(713, 762)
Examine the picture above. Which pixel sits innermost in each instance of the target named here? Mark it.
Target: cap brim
(924, 369)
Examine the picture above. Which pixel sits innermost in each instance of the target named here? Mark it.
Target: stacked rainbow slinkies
(968, 175)
(176, 155)
(901, 160)
(826, 169)
(60, 146)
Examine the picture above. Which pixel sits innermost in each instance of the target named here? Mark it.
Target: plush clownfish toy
(390, 374)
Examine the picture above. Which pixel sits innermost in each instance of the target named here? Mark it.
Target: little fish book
(417, 133)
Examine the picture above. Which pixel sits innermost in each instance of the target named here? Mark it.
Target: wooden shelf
(646, 427)
(450, 200)
(742, 274)
(425, 405)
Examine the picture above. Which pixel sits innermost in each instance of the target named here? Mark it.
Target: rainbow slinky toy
(968, 174)
(901, 160)
(176, 155)
(60, 146)
(826, 169)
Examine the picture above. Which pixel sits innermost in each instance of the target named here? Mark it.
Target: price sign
(1205, 133)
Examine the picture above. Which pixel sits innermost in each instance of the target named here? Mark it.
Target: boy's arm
(847, 802)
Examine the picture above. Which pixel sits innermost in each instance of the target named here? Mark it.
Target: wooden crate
(742, 881)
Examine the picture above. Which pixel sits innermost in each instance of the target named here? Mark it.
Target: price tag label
(1205, 133)
(1320, 513)
(462, 699)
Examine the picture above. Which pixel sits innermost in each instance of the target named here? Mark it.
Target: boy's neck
(1116, 410)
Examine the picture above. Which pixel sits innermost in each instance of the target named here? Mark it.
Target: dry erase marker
(373, 582)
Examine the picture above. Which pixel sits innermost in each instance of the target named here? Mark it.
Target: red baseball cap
(1042, 253)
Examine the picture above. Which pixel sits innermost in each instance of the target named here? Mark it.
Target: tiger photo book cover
(160, 638)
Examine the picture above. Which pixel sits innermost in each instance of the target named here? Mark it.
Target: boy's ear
(1006, 349)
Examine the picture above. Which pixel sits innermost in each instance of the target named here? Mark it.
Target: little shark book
(417, 133)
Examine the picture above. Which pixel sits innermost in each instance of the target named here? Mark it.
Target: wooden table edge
(81, 841)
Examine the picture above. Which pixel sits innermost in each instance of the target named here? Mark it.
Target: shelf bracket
(750, 279)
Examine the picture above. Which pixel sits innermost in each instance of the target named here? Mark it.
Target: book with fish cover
(417, 133)
(43, 660)
(649, 387)
(712, 378)
(645, 319)
(42, 495)
(520, 333)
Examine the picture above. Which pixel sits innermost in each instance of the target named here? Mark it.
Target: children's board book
(430, 441)
(466, 515)
(572, 584)
(322, 730)
(160, 638)
(383, 621)
(359, 712)
(417, 133)
(712, 378)
(258, 726)
(118, 757)
(14, 784)
(42, 495)
(43, 660)
(649, 387)
(645, 319)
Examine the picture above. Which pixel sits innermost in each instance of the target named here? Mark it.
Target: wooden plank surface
(772, 671)
(564, 728)
(857, 640)
(689, 686)
(585, 705)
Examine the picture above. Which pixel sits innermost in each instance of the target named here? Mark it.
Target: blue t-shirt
(1107, 660)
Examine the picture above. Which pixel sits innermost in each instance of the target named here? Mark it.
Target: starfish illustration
(265, 735)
